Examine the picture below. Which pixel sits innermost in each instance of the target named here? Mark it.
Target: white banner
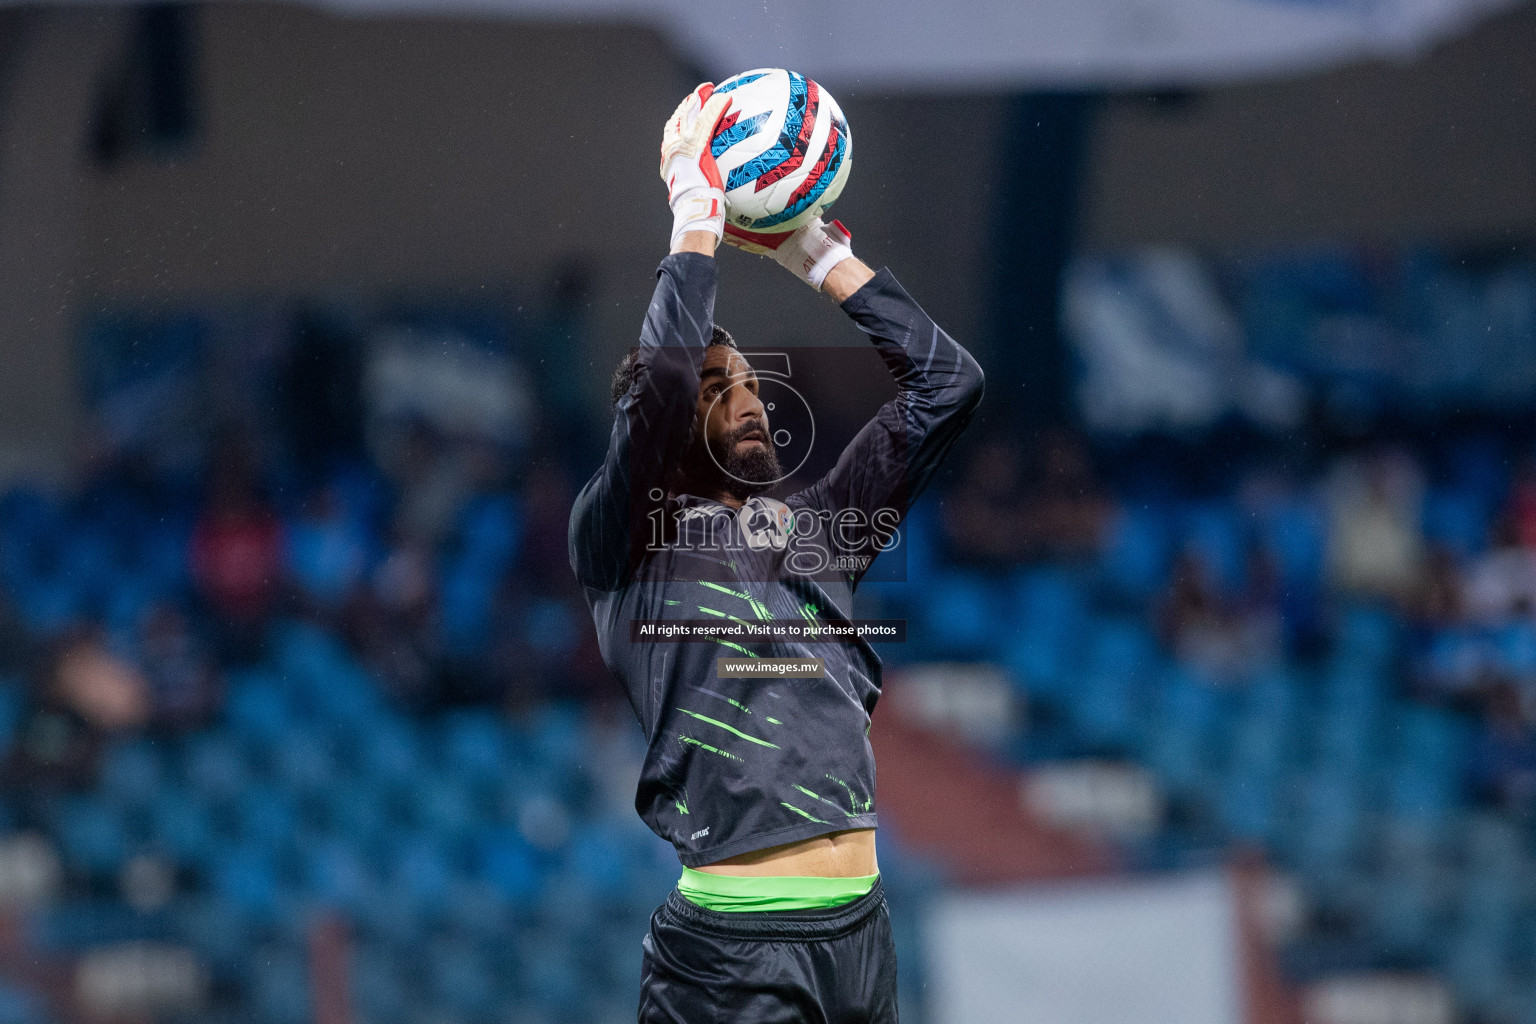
(1131, 952)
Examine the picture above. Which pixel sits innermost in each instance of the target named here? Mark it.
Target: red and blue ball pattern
(783, 150)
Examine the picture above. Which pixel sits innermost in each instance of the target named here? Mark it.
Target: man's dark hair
(624, 373)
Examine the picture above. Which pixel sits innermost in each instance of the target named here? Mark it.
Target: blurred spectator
(236, 559)
(1223, 641)
(1502, 583)
(547, 498)
(1439, 600)
(1521, 506)
(87, 695)
(983, 518)
(1002, 513)
(392, 624)
(1067, 509)
(327, 551)
(437, 477)
(1502, 763)
(1375, 548)
(183, 683)
(1260, 608)
(16, 646)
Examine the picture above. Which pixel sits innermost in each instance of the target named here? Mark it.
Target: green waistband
(733, 893)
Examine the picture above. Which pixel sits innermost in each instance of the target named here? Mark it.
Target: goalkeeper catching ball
(764, 784)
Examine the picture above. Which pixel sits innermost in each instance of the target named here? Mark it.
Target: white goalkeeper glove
(694, 189)
(809, 252)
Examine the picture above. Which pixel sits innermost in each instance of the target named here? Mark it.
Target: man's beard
(726, 466)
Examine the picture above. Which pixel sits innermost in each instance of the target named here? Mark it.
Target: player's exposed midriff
(848, 854)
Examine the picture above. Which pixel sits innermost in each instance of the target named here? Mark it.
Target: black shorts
(833, 966)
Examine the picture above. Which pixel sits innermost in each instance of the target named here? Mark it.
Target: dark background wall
(1442, 149)
(335, 154)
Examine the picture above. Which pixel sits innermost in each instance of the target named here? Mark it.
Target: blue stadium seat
(466, 595)
(1369, 633)
(248, 880)
(556, 737)
(1189, 715)
(1433, 739)
(326, 560)
(132, 772)
(459, 977)
(1353, 688)
(267, 817)
(1040, 626)
(420, 872)
(280, 987)
(215, 765)
(336, 875)
(550, 976)
(1479, 465)
(962, 613)
(349, 696)
(1248, 804)
(1214, 530)
(1328, 823)
(1137, 554)
(163, 557)
(1051, 599)
(1345, 742)
(219, 933)
(507, 862)
(553, 626)
(475, 743)
(1296, 533)
(490, 530)
(49, 606)
(478, 909)
(1420, 796)
(1488, 909)
(1262, 736)
(1105, 698)
(13, 699)
(1456, 519)
(919, 539)
(391, 751)
(1401, 912)
(127, 600)
(1515, 645)
(182, 825)
(256, 704)
(1493, 848)
(1037, 660)
(442, 807)
(380, 984)
(304, 760)
(1478, 967)
(21, 1007)
(92, 834)
(1105, 708)
(90, 563)
(322, 676)
(599, 854)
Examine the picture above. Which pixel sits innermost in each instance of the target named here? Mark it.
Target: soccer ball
(783, 150)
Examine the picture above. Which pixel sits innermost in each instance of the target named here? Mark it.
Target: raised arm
(613, 517)
(892, 459)
(938, 386)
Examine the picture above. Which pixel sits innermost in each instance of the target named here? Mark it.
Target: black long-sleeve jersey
(741, 764)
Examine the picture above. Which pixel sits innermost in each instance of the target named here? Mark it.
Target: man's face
(734, 425)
